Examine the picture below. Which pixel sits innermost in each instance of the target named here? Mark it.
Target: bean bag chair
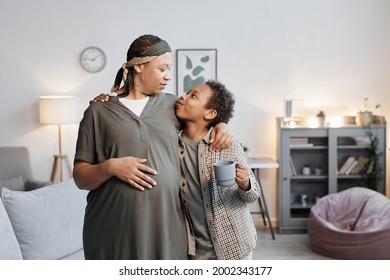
(352, 224)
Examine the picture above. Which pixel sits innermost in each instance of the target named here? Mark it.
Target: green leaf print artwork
(196, 79)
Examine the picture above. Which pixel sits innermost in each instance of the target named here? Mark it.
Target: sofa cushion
(15, 184)
(48, 221)
(9, 247)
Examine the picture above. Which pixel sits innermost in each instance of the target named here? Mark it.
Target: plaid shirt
(229, 221)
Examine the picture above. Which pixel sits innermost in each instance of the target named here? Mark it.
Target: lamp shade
(56, 109)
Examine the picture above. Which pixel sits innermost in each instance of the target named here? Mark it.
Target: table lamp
(57, 110)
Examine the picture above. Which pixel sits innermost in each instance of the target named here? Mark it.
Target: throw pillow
(9, 247)
(48, 222)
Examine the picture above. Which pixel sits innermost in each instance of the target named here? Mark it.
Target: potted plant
(321, 118)
(318, 170)
(364, 117)
(373, 172)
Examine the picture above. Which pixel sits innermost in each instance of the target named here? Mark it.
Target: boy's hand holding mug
(227, 172)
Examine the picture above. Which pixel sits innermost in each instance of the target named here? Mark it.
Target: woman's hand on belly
(133, 170)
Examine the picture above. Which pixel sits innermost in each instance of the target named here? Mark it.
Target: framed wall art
(194, 67)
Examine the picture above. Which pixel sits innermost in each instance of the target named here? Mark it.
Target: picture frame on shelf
(194, 67)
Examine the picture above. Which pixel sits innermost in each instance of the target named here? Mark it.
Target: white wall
(331, 53)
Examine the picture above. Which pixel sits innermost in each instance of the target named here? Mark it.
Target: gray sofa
(42, 224)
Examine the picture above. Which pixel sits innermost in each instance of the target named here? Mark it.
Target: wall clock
(93, 59)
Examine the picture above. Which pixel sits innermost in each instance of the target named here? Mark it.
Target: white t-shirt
(136, 106)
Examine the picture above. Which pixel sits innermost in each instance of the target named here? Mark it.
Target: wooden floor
(284, 247)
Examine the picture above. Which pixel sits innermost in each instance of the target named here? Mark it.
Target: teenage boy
(218, 221)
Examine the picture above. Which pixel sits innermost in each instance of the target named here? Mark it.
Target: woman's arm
(128, 169)
(90, 176)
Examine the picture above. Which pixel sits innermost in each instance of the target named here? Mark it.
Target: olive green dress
(122, 222)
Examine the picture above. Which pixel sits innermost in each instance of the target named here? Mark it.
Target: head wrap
(147, 55)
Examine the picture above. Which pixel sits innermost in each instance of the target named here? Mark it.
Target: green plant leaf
(373, 171)
(197, 70)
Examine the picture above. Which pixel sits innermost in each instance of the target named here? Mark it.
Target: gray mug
(225, 173)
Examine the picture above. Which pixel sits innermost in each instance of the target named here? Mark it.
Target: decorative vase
(364, 118)
(306, 170)
(321, 121)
